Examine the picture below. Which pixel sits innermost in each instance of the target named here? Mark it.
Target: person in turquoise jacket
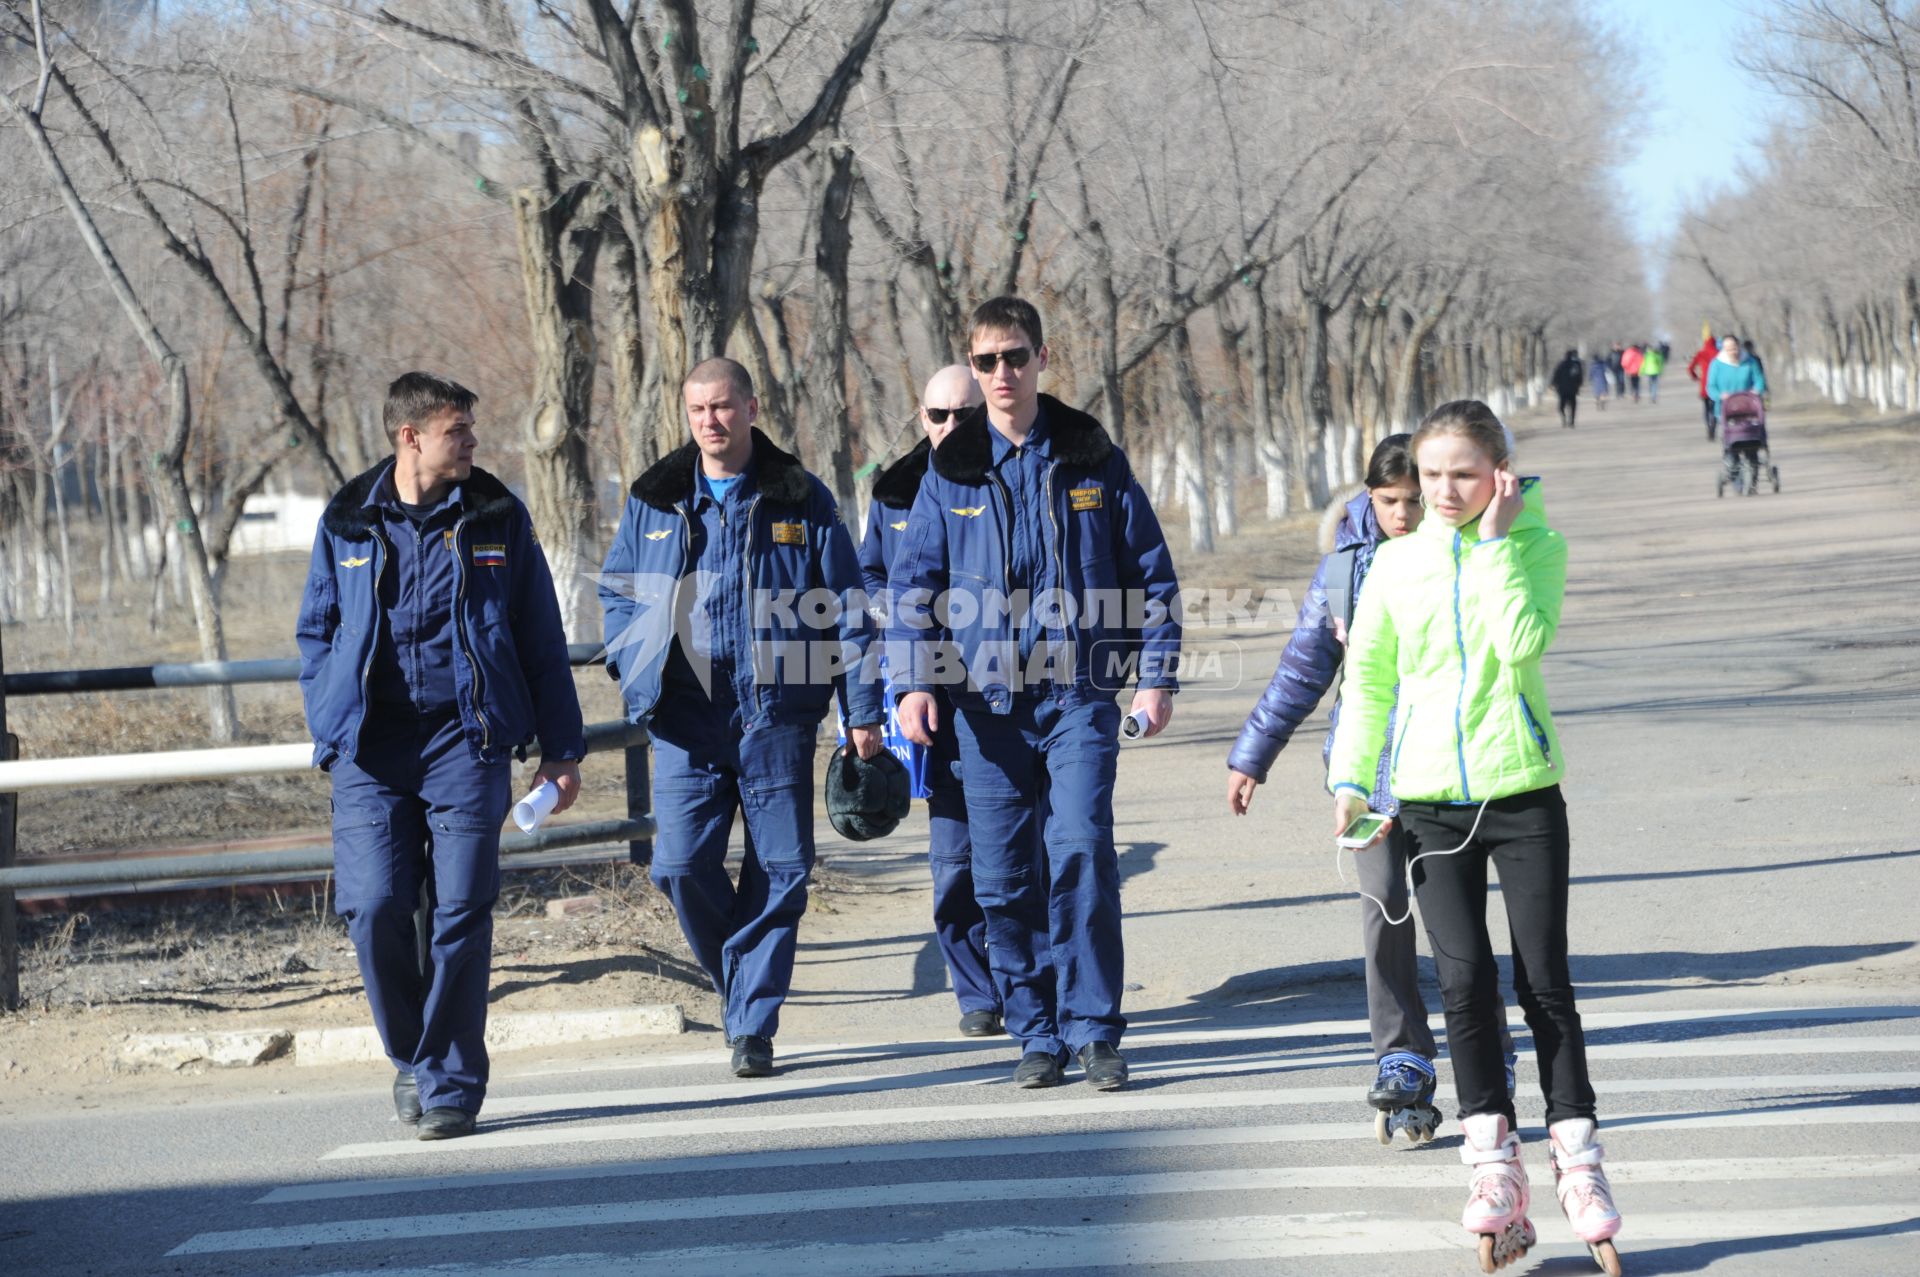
(1732, 372)
(1452, 627)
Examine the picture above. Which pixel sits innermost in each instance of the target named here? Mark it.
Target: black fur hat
(867, 798)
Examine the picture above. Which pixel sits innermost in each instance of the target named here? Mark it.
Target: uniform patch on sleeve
(789, 534)
(1084, 498)
(489, 556)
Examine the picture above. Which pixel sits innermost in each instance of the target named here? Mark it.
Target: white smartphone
(1362, 832)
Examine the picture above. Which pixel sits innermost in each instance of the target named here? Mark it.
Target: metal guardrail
(133, 678)
(171, 766)
(518, 850)
(314, 859)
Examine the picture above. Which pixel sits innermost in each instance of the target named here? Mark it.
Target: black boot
(752, 1056)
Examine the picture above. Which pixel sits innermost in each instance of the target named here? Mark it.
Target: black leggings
(1525, 837)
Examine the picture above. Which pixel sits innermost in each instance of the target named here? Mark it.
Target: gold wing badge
(969, 511)
(661, 535)
(354, 563)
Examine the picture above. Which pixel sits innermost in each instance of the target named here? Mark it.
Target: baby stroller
(1743, 434)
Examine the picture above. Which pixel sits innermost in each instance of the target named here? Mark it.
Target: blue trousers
(1039, 786)
(959, 925)
(414, 809)
(707, 766)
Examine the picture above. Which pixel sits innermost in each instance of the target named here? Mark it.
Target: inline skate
(1582, 1187)
(1403, 1096)
(1498, 1197)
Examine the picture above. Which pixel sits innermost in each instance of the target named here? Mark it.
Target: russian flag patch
(489, 556)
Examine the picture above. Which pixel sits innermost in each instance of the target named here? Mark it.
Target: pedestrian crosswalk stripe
(1077, 1144)
(1184, 1241)
(1762, 1018)
(1816, 1111)
(953, 1192)
(829, 1087)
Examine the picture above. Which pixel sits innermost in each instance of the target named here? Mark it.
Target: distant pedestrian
(1600, 379)
(1697, 368)
(1652, 364)
(1754, 355)
(1732, 372)
(1617, 369)
(1568, 375)
(1630, 361)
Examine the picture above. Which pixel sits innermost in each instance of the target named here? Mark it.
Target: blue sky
(1701, 114)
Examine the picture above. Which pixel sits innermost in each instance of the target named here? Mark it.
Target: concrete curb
(315, 1047)
(226, 1049)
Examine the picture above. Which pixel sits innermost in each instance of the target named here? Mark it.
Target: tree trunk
(677, 285)
(1910, 330)
(1316, 402)
(831, 432)
(133, 537)
(1268, 445)
(1192, 451)
(1409, 397)
(1112, 392)
(171, 472)
(635, 397)
(107, 467)
(559, 244)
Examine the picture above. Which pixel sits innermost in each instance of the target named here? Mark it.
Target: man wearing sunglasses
(958, 924)
(1032, 585)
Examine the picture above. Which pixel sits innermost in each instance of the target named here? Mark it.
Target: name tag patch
(789, 534)
(489, 556)
(1084, 498)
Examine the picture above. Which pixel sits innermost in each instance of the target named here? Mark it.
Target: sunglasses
(1015, 359)
(938, 416)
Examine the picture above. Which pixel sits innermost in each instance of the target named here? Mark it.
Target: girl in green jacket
(1457, 615)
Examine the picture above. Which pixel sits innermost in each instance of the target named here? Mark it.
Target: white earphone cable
(1392, 921)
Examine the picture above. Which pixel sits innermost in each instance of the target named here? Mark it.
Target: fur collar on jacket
(778, 474)
(966, 455)
(348, 514)
(899, 483)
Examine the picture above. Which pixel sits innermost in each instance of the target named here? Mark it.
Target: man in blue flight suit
(733, 611)
(959, 927)
(431, 650)
(1034, 560)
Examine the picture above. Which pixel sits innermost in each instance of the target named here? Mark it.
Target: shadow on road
(1696, 1256)
(1595, 975)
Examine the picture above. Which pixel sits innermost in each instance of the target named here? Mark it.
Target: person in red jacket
(1697, 368)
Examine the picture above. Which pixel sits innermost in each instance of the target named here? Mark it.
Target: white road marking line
(825, 1052)
(961, 1192)
(1187, 1241)
(1015, 1146)
(652, 1096)
(1131, 1107)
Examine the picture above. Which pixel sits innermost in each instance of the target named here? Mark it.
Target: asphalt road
(1736, 684)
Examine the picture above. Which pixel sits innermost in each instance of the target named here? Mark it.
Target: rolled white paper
(532, 810)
